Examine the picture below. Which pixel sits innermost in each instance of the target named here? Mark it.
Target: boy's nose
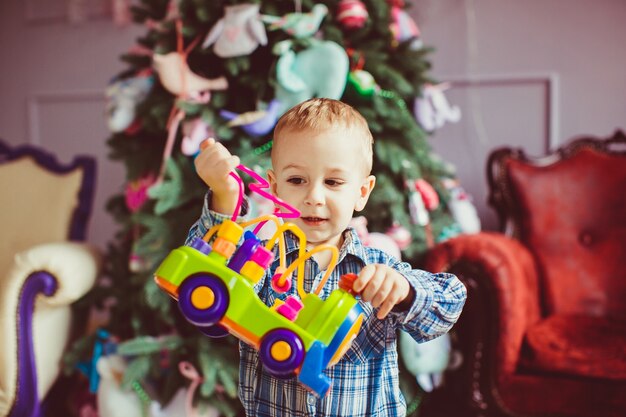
(315, 196)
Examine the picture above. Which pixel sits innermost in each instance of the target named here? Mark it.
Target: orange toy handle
(346, 281)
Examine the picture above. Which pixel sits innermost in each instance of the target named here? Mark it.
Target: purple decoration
(27, 402)
(203, 317)
(244, 252)
(261, 126)
(201, 246)
(286, 368)
(262, 257)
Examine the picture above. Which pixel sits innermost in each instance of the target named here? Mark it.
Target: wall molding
(37, 100)
(51, 11)
(552, 93)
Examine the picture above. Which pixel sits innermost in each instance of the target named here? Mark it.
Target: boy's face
(322, 174)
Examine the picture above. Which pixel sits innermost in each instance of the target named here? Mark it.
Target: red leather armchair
(543, 332)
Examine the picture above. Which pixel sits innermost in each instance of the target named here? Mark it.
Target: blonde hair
(325, 113)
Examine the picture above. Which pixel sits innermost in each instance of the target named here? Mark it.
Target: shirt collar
(352, 245)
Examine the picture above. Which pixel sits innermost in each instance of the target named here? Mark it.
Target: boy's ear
(366, 189)
(271, 178)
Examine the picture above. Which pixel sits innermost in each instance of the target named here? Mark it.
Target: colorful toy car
(213, 284)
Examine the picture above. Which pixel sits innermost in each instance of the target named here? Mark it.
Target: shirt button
(311, 400)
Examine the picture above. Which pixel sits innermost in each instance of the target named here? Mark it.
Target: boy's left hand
(383, 287)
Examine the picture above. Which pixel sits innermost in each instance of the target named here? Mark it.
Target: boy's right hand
(214, 165)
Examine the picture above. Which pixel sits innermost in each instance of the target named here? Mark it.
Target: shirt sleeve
(438, 302)
(209, 218)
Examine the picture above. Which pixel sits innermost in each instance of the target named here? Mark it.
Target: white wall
(52, 80)
(530, 73)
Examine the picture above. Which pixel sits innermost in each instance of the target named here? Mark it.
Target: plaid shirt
(365, 380)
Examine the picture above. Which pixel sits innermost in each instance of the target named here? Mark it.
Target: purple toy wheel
(216, 331)
(282, 352)
(203, 299)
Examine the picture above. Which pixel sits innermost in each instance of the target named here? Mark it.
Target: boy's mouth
(313, 221)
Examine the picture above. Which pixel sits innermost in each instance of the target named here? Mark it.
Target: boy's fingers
(385, 308)
(226, 166)
(232, 163)
(206, 143)
(382, 293)
(364, 276)
(235, 161)
(374, 284)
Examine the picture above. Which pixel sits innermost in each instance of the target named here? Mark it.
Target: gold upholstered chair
(44, 267)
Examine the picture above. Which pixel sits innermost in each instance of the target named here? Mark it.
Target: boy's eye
(333, 183)
(295, 180)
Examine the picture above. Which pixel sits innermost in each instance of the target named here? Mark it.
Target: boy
(321, 163)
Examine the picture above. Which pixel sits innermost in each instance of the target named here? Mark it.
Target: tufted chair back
(544, 327)
(570, 212)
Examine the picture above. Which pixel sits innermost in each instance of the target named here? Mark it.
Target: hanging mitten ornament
(432, 110)
(122, 97)
(352, 14)
(318, 71)
(194, 132)
(400, 235)
(461, 207)
(238, 33)
(429, 195)
(298, 25)
(402, 26)
(417, 208)
(255, 123)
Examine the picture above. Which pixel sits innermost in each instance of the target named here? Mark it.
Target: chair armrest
(74, 268)
(74, 265)
(501, 275)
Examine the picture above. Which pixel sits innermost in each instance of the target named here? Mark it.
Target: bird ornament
(177, 77)
(298, 25)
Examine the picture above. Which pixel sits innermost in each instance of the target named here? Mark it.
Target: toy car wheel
(282, 352)
(203, 299)
(216, 331)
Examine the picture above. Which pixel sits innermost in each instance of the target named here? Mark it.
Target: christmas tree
(229, 69)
